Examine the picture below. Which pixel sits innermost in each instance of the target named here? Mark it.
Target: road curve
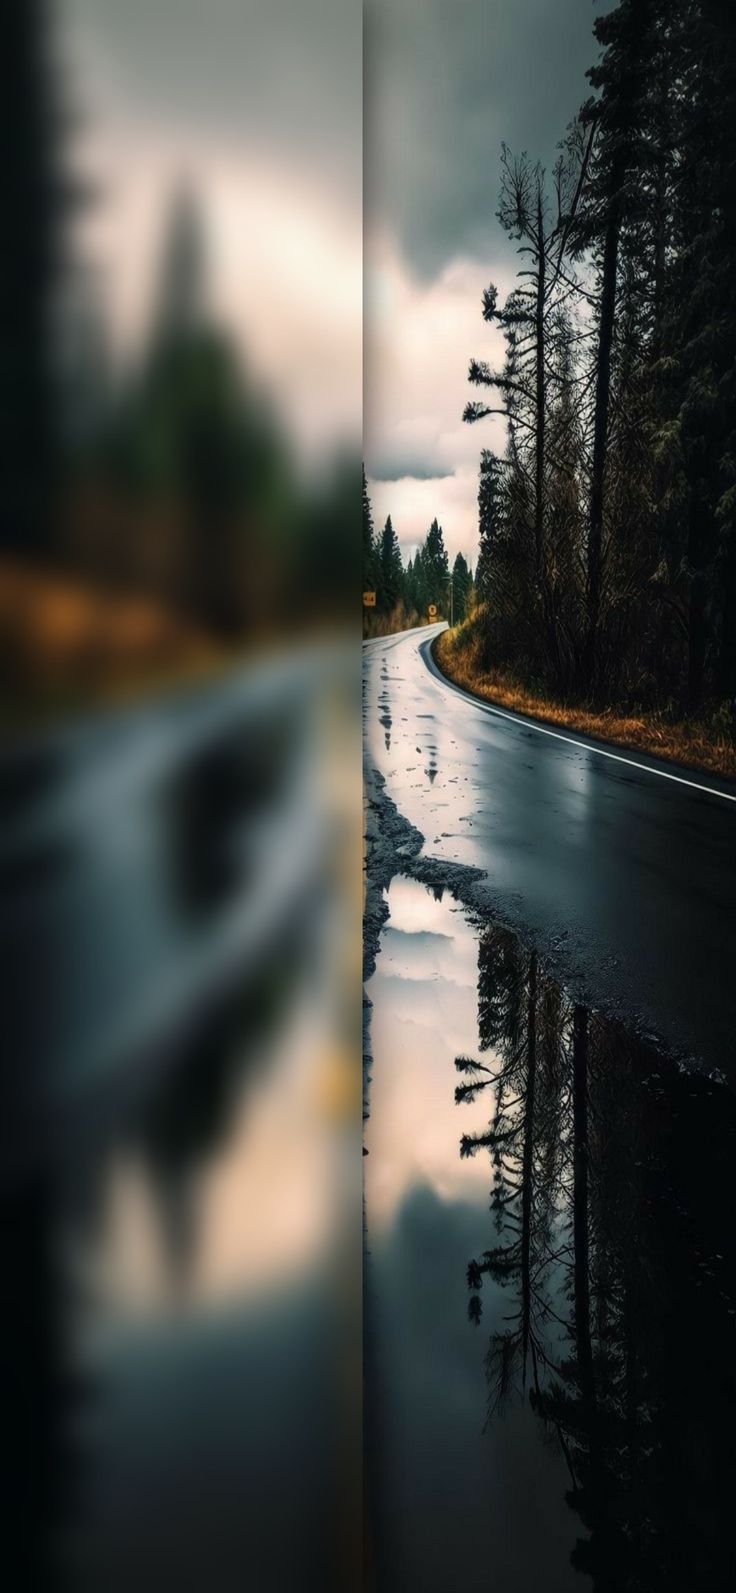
(620, 867)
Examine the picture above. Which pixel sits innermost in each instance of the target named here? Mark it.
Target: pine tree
(607, 559)
(420, 587)
(490, 512)
(409, 586)
(613, 198)
(37, 200)
(390, 569)
(461, 584)
(436, 568)
(180, 307)
(369, 552)
(699, 420)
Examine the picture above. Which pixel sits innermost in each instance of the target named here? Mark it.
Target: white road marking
(585, 746)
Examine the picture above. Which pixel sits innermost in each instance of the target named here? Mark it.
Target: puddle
(550, 1281)
(172, 1328)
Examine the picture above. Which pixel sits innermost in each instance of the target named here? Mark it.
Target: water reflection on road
(550, 1281)
(179, 1194)
(631, 873)
(200, 1316)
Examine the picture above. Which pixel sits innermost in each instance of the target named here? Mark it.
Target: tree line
(607, 562)
(168, 472)
(406, 591)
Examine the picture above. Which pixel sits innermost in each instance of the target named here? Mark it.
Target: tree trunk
(528, 1162)
(581, 1237)
(697, 640)
(600, 444)
(662, 225)
(540, 548)
(540, 404)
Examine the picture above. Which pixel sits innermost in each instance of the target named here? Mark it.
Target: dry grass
(400, 619)
(698, 744)
(64, 642)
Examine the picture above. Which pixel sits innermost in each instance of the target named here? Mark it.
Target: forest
(404, 593)
(155, 513)
(606, 571)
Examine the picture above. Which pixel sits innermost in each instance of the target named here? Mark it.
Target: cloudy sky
(309, 182)
(446, 82)
(256, 104)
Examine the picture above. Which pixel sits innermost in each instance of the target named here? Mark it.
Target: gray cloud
(407, 470)
(278, 76)
(446, 82)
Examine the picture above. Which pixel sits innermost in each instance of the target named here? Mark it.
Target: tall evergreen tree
(461, 586)
(612, 200)
(37, 198)
(698, 358)
(607, 560)
(420, 590)
(390, 569)
(180, 307)
(369, 552)
(490, 513)
(436, 568)
(409, 596)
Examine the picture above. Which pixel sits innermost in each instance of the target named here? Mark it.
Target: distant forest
(404, 593)
(170, 473)
(607, 561)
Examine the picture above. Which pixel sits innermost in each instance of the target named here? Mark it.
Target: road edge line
(425, 651)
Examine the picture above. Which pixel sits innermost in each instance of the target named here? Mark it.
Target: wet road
(147, 857)
(550, 1267)
(173, 1142)
(624, 876)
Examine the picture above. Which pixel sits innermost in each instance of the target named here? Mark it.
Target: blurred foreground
(180, 1145)
(180, 320)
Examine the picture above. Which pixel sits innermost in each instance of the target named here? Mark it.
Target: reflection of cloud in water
(425, 1013)
(424, 955)
(453, 1506)
(258, 1207)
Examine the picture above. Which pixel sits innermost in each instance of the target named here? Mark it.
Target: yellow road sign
(432, 611)
(369, 599)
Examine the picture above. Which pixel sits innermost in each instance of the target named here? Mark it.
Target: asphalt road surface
(621, 868)
(149, 861)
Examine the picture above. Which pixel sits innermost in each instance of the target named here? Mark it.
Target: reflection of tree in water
(41, 1388)
(516, 1010)
(614, 1238)
(186, 1121)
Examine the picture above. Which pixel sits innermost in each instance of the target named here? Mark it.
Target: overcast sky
(257, 105)
(446, 82)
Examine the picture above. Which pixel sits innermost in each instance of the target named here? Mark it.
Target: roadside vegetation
(604, 594)
(67, 642)
(606, 574)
